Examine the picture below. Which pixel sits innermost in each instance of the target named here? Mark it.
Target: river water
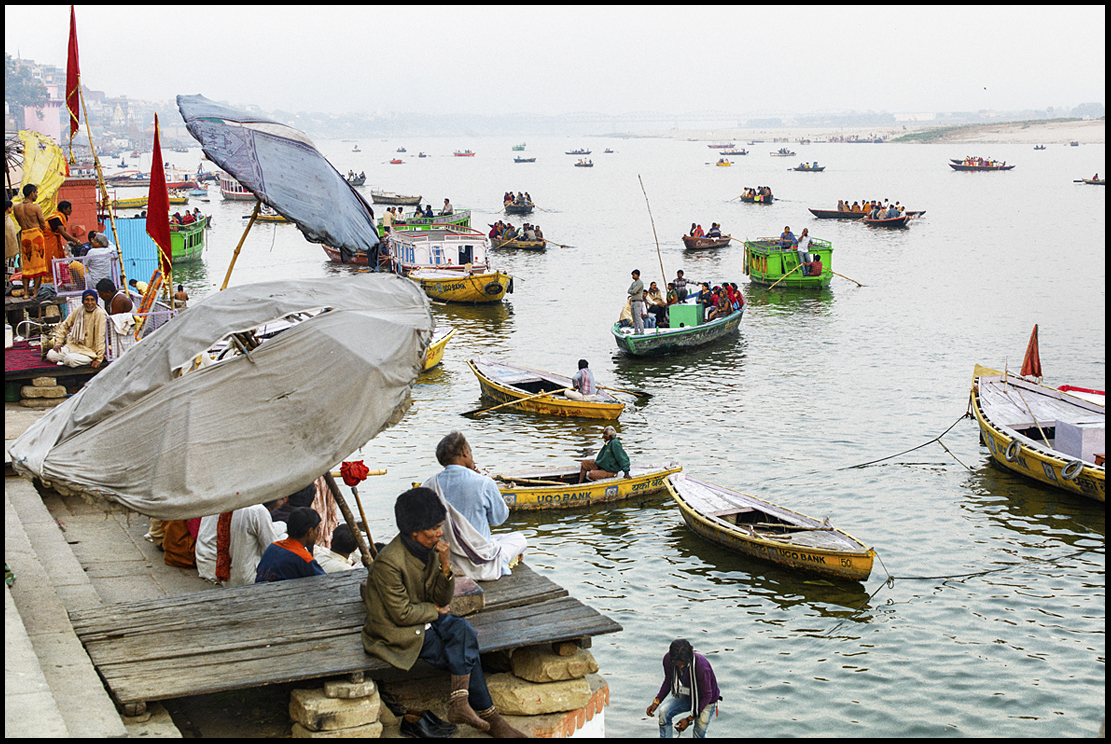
(1011, 645)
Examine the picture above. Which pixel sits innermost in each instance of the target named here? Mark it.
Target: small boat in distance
(978, 164)
(607, 151)
(782, 152)
(761, 195)
(888, 221)
(388, 197)
(585, 164)
(697, 244)
(355, 149)
(722, 146)
(401, 149)
(396, 161)
(723, 163)
(842, 214)
(519, 148)
(1039, 147)
(578, 152)
(356, 180)
(464, 154)
(808, 168)
(524, 160)
(763, 530)
(734, 152)
(558, 488)
(504, 382)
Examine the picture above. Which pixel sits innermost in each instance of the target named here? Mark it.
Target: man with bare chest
(32, 237)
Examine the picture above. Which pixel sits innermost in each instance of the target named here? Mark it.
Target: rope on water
(912, 449)
(890, 580)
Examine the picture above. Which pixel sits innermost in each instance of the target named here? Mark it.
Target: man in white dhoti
(474, 505)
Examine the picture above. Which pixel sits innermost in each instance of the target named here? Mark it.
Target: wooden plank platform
(249, 636)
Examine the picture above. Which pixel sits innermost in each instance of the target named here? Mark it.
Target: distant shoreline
(1045, 132)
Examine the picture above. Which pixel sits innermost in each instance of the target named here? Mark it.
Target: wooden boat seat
(512, 377)
(725, 513)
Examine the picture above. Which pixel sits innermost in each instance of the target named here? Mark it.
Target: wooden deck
(262, 634)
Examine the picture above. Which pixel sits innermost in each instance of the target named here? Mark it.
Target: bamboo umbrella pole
(107, 202)
(350, 519)
(250, 222)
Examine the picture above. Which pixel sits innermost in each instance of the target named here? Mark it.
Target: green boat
(687, 331)
(767, 263)
(460, 218)
(188, 241)
(519, 148)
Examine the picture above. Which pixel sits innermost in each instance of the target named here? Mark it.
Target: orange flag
(73, 80)
(1032, 364)
(158, 205)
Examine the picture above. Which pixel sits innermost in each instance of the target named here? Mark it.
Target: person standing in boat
(689, 680)
(636, 303)
(609, 461)
(804, 248)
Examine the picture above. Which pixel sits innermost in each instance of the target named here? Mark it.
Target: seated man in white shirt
(474, 504)
(338, 557)
(251, 533)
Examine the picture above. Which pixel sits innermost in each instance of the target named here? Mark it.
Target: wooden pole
(792, 271)
(366, 524)
(250, 222)
(660, 255)
(854, 281)
(103, 188)
(350, 519)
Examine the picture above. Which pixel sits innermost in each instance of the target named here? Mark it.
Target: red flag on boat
(1032, 364)
(73, 80)
(158, 205)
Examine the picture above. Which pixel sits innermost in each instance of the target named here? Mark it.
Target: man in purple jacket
(700, 698)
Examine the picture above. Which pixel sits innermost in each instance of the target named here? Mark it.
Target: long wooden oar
(538, 207)
(637, 393)
(845, 277)
(792, 271)
(516, 400)
(561, 245)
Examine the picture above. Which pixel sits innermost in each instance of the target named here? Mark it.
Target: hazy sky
(554, 60)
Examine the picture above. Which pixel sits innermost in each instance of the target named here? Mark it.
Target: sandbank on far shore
(1092, 132)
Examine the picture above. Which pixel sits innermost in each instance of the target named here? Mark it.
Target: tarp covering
(44, 164)
(280, 166)
(247, 429)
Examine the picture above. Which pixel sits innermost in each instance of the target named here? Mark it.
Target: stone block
(44, 381)
(542, 664)
(40, 402)
(469, 597)
(341, 688)
(517, 697)
(33, 391)
(368, 731)
(317, 712)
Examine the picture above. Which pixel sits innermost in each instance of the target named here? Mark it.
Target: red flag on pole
(1032, 364)
(73, 80)
(158, 205)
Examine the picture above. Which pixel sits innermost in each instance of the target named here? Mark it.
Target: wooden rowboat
(812, 169)
(697, 244)
(1094, 181)
(888, 222)
(1040, 432)
(758, 199)
(504, 382)
(681, 336)
(388, 197)
(834, 214)
(558, 488)
(763, 530)
(524, 160)
(996, 167)
(434, 354)
(518, 208)
(520, 244)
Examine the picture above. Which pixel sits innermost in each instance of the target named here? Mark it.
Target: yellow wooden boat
(458, 285)
(435, 352)
(764, 530)
(1040, 432)
(558, 488)
(505, 382)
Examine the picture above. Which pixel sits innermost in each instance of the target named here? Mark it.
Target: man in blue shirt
(292, 558)
(476, 497)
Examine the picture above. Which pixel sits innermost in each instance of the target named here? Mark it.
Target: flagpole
(103, 189)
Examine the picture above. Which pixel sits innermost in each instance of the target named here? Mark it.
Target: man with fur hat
(408, 617)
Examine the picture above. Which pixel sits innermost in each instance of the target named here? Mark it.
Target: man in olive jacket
(408, 615)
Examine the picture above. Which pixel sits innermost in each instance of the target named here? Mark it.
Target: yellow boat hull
(530, 494)
(435, 353)
(551, 405)
(460, 287)
(1033, 462)
(839, 564)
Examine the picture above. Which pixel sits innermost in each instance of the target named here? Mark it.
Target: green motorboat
(767, 262)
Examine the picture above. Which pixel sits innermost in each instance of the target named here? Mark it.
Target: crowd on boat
(698, 232)
(874, 209)
(983, 162)
(808, 166)
(811, 262)
(506, 231)
(760, 193)
(648, 307)
(522, 199)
